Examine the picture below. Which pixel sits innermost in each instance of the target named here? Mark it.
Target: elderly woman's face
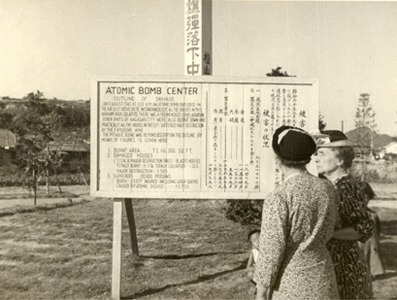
(327, 161)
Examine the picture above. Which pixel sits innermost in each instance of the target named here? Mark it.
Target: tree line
(42, 126)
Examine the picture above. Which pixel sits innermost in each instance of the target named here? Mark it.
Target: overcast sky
(55, 46)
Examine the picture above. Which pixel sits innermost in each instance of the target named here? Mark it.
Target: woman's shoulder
(278, 195)
(347, 185)
(347, 182)
(309, 179)
(307, 182)
(324, 184)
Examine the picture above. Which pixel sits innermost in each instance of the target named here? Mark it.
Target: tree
(30, 142)
(36, 127)
(366, 126)
(277, 73)
(5, 120)
(51, 157)
(321, 123)
(35, 97)
(245, 212)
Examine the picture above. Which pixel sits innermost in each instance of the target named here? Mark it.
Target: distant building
(69, 151)
(7, 147)
(8, 140)
(363, 152)
(388, 150)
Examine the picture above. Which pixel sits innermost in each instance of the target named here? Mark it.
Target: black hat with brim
(333, 139)
(293, 143)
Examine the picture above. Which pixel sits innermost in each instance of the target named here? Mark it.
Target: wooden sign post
(117, 241)
(117, 249)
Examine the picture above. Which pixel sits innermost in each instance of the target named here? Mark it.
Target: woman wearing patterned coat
(334, 158)
(298, 219)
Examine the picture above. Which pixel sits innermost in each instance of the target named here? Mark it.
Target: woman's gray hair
(346, 154)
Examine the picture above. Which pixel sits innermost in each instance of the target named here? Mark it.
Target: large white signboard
(193, 137)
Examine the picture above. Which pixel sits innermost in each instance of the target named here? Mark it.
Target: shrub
(75, 166)
(245, 212)
(380, 172)
(11, 175)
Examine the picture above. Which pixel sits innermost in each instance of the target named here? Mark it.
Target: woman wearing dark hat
(334, 158)
(298, 219)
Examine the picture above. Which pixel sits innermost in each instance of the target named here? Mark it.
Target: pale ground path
(386, 195)
(83, 192)
(382, 203)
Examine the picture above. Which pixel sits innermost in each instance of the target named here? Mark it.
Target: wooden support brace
(131, 223)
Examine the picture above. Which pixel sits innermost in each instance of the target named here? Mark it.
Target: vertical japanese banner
(198, 37)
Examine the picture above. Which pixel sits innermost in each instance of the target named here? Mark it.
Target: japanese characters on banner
(193, 138)
(198, 42)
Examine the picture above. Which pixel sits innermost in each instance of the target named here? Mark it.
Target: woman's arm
(348, 233)
(262, 293)
(354, 213)
(250, 260)
(272, 240)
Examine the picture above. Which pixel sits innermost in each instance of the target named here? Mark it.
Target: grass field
(188, 250)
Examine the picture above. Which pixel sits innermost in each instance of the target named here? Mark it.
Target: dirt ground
(385, 204)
